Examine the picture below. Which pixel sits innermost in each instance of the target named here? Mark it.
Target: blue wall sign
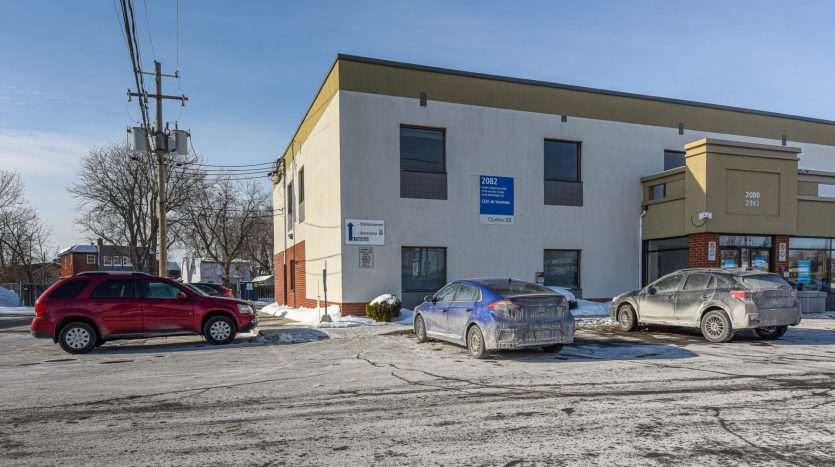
(804, 272)
(496, 200)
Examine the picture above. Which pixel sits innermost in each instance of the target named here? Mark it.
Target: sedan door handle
(468, 310)
(704, 297)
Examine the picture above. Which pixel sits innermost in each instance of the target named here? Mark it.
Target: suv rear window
(519, 288)
(765, 281)
(69, 289)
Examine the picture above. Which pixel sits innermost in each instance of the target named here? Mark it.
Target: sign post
(495, 200)
(325, 318)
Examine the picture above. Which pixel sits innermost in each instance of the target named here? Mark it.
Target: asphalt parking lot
(374, 395)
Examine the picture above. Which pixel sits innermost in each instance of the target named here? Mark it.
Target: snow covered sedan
(719, 301)
(495, 314)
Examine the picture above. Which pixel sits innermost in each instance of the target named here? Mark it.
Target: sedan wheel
(626, 318)
(77, 338)
(219, 330)
(475, 342)
(420, 329)
(716, 327)
(773, 332)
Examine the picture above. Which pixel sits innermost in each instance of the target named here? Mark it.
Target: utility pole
(160, 138)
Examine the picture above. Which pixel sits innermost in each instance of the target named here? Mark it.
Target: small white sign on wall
(781, 251)
(366, 257)
(711, 251)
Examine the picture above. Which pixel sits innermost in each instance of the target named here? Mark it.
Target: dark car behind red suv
(86, 310)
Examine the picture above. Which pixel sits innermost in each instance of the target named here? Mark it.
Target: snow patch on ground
(17, 311)
(312, 316)
(290, 336)
(589, 308)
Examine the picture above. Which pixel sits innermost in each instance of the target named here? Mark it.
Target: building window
(126, 261)
(290, 205)
(301, 194)
(811, 261)
(658, 191)
(292, 274)
(673, 159)
(664, 256)
(562, 268)
(745, 251)
(562, 161)
(422, 269)
(423, 163)
(422, 150)
(106, 260)
(91, 259)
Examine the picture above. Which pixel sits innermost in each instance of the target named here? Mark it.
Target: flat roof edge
(450, 71)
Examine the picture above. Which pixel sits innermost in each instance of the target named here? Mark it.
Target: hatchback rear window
(519, 288)
(69, 289)
(766, 281)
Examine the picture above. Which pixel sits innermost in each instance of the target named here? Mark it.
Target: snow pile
(8, 298)
(589, 308)
(564, 292)
(311, 316)
(17, 311)
(388, 299)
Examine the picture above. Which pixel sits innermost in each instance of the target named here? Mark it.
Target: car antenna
(509, 280)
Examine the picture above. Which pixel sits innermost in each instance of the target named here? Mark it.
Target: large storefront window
(562, 268)
(422, 272)
(665, 256)
(745, 251)
(811, 263)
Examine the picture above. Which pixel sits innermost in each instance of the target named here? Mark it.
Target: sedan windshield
(519, 288)
(196, 289)
(766, 281)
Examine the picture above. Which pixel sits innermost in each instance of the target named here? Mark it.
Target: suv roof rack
(109, 273)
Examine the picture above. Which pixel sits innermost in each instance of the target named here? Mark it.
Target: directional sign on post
(365, 232)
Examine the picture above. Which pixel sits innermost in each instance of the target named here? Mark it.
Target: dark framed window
(292, 274)
(664, 256)
(562, 161)
(673, 159)
(422, 269)
(562, 268)
(658, 191)
(422, 149)
(290, 200)
(301, 185)
(91, 259)
(116, 288)
(69, 289)
(812, 265)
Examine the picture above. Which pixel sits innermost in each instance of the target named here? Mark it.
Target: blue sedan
(495, 314)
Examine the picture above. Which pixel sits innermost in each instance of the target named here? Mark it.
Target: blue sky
(251, 68)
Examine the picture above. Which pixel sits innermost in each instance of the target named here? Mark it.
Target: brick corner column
(779, 265)
(700, 244)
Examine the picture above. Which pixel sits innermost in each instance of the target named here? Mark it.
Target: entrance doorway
(745, 251)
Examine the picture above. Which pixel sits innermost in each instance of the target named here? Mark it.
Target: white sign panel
(782, 252)
(365, 232)
(711, 251)
(366, 257)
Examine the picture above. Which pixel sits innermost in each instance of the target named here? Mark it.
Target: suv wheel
(475, 342)
(219, 330)
(77, 337)
(773, 332)
(626, 318)
(716, 327)
(420, 329)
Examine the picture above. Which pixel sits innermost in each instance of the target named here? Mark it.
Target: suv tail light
(741, 294)
(40, 307)
(226, 292)
(504, 307)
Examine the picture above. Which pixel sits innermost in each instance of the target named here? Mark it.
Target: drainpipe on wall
(641, 247)
(284, 233)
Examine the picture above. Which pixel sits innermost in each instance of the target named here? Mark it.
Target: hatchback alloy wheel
(626, 318)
(475, 342)
(420, 329)
(716, 327)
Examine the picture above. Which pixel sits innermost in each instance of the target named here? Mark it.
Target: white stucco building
(408, 145)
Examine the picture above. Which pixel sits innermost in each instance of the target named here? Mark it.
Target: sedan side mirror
(427, 298)
(652, 290)
(182, 296)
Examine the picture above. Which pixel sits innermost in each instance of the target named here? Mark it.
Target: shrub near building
(384, 308)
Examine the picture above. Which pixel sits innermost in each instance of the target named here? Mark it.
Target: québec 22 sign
(496, 200)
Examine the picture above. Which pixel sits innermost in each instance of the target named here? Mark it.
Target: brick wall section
(698, 250)
(777, 265)
(73, 263)
(298, 297)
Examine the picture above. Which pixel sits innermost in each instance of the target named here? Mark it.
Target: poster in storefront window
(729, 263)
(760, 263)
(804, 272)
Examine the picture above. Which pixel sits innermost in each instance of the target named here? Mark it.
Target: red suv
(86, 310)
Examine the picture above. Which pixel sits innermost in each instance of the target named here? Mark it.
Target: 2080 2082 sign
(495, 200)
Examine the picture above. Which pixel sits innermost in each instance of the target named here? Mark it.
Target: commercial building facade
(402, 177)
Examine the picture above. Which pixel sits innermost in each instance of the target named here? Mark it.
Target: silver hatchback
(718, 301)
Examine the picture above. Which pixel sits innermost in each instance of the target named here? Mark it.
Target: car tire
(100, 342)
(627, 320)
(420, 329)
(717, 327)
(475, 342)
(772, 332)
(219, 330)
(77, 337)
(552, 348)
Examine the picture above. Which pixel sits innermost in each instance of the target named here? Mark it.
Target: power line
(148, 27)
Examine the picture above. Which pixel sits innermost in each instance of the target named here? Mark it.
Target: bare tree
(24, 236)
(11, 189)
(219, 223)
(258, 248)
(117, 194)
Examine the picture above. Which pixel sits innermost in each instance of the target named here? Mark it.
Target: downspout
(284, 233)
(641, 247)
